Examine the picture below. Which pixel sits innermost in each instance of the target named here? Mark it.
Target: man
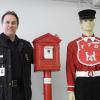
(16, 56)
(83, 61)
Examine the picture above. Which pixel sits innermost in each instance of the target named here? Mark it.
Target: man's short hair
(10, 13)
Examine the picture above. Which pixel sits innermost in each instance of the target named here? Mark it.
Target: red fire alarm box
(47, 53)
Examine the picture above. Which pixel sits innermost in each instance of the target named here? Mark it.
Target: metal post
(47, 85)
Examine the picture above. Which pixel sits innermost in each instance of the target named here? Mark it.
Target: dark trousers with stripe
(87, 88)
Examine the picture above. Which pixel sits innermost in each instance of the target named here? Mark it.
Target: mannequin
(83, 60)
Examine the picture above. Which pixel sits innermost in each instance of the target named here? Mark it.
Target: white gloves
(71, 96)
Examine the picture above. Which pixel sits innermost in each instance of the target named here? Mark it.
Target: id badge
(2, 71)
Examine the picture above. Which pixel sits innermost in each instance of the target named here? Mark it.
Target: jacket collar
(85, 38)
(5, 39)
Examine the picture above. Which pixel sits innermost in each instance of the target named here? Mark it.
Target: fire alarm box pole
(47, 85)
(47, 59)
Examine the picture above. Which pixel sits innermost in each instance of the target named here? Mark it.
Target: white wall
(38, 17)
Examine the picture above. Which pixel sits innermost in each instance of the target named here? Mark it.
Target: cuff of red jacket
(70, 88)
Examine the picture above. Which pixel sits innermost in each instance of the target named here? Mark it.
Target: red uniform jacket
(83, 54)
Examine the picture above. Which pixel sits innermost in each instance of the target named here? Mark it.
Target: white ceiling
(92, 3)
(74, 1)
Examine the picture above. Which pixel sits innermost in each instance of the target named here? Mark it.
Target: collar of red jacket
(85, 38)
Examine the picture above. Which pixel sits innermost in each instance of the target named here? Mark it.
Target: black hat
(87, 14)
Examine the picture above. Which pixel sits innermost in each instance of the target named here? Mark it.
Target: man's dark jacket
(26, 52)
